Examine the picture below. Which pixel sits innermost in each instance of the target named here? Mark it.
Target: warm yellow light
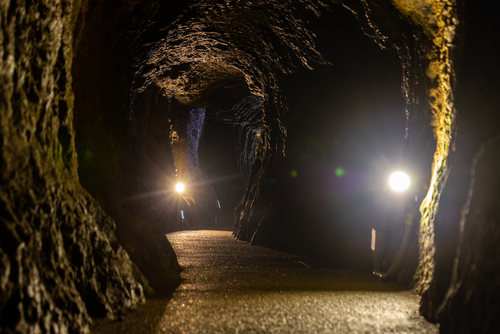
(179, 187)
(399, 181)
(438, 19)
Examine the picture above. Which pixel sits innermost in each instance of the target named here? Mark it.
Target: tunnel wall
(471, 304)
(61, 263)
(113, 163)
(476, 101)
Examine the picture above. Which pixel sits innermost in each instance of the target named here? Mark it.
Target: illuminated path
(232, 287)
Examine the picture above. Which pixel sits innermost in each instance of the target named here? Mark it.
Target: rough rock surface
(137, 81)
(109, 167)
(60, 261)
(472, 302)
(476, 102)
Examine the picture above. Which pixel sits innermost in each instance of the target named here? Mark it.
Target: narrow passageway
(230, 286)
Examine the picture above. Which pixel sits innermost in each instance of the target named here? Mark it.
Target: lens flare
(179, 187)
(339, 171)
(399, 181)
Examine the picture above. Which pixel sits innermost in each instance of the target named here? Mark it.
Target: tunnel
(282, 121)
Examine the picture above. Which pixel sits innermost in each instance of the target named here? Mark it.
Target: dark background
(351, 115)
(346, 116)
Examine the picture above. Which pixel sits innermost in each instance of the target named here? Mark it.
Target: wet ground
(232, 287)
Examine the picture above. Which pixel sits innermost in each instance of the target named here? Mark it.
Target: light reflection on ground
(232, 287)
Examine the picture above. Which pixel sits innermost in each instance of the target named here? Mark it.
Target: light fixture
(179, 187)
(399, 181)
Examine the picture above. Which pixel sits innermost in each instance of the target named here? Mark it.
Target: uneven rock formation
(61, 262)
(106, 105)
(109, 168)
(472, 302)
(476, 102)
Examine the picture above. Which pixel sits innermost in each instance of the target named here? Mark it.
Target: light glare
(179, 187)
(399, 181)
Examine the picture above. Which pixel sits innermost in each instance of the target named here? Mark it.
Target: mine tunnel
(229, 128)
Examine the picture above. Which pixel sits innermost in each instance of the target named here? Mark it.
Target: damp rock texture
(474, 91)
(60, 263)
(471, 304)
(114, 166)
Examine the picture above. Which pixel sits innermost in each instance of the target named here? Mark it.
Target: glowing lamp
(399, 181)
(179, 187)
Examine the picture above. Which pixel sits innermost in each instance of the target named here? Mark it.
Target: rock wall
(61, 263)
(472, 302)
(111, 163)
(476, 102)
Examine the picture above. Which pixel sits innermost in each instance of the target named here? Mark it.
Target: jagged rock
(60, 261)
(471, 304)
(110, 166)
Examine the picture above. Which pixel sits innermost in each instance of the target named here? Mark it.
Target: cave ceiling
(259, 43)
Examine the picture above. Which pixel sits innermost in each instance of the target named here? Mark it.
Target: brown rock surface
(60, 261)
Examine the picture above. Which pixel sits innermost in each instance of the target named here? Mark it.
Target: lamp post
(190, 205)
(179, 187)
(399, 182)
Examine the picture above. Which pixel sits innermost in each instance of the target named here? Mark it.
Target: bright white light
(179, 187)
(399, 181)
